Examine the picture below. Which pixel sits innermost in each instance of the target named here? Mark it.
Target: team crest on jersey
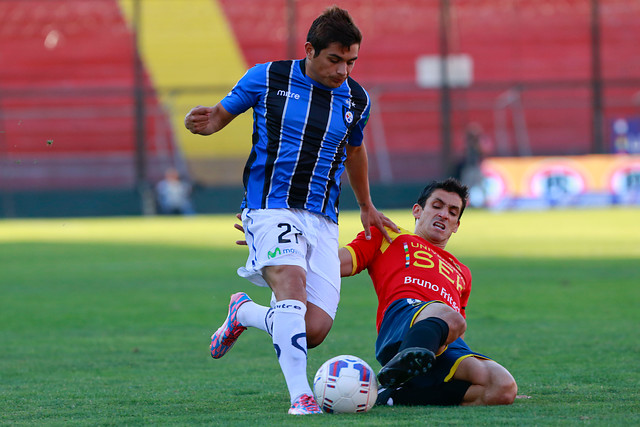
(347, 115)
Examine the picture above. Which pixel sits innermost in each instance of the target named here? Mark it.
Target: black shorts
(397, 320)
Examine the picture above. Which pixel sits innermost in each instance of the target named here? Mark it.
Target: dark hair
(334, 25)
(450, 185)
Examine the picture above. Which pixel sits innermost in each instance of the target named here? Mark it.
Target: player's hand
(198, 120)
(240, 228)
(370, 216)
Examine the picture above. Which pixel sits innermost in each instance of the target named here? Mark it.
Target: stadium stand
(67, 82)
(67, 100)
(541, 49)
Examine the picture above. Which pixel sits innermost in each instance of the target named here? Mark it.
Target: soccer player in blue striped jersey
(309, 118)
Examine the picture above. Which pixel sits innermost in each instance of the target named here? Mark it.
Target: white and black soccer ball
(345, 384)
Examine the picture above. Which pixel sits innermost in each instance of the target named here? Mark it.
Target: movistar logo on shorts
(274, 253)
(278, 252)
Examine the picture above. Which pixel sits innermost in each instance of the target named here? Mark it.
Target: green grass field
(107, 322)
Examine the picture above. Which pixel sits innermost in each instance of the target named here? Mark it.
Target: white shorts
(295, 237)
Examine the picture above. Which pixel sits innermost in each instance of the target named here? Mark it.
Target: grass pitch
(107, 322)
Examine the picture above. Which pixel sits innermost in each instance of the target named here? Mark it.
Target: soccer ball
(345, 384)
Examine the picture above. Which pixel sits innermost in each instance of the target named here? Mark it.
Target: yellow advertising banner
(512, 182)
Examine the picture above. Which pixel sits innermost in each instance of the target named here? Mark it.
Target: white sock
(290, 343)
(255, 315)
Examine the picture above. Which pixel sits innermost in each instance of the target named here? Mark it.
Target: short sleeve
(363, 251)
(357, 134)
(246, 93)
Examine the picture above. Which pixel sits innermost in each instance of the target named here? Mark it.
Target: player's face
(333, 65)
(439, 218)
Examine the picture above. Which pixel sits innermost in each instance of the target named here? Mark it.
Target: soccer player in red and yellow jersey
(422, 294)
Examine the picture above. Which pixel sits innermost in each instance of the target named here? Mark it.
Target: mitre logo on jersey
(288, 94)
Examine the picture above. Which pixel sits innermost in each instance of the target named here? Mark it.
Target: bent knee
(314, 340)
(503, 394)
(315, 336)
(318, 324)
(457, 325)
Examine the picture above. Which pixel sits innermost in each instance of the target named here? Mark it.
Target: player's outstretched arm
(207, 120)
(346, 262)
(358, 171)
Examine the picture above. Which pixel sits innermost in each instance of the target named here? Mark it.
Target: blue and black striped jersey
(300, 133)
